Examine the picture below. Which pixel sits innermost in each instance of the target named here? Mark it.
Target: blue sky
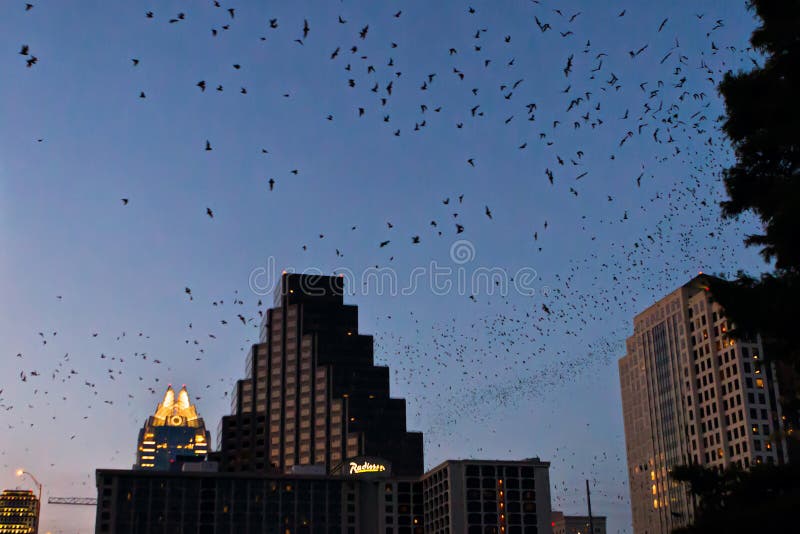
(495, 376)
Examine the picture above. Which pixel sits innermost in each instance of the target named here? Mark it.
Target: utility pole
(589, 503)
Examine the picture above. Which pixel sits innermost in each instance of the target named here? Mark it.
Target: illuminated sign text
(366, 467)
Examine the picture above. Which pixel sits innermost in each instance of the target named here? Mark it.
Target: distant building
(174, 430)
(19, 512)
(691, 394)
(313, 394)
(577, 524)
(487, 496)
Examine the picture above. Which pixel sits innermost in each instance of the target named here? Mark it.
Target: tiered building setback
(313, 395)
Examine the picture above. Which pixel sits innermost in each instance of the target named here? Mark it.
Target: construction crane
(85, 501)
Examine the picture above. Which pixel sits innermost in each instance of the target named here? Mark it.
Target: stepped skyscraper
(313, 395)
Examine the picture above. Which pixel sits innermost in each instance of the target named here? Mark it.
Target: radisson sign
(363, 466)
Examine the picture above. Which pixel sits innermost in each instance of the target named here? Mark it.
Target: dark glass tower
(313, 395)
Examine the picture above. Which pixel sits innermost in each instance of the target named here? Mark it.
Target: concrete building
(174, 430)
(313, 395)
(577, 524)
(691, 394)
(487, 496)
(19, 512)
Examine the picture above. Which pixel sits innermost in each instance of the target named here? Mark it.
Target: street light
(21, 473)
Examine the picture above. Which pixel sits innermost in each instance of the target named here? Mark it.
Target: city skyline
(316, 443)
(106, 302)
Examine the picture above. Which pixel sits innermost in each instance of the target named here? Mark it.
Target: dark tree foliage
(769, 306)
(764, 499)
(763, 125)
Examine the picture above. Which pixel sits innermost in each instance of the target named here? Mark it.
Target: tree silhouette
(762, 119)
(762, 122)
(763, 499)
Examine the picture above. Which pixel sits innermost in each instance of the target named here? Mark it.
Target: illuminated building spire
(174, 429)
(170, 412)
(183, 399)
(164, 408)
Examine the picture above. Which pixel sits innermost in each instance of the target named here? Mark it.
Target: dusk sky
(520, 369)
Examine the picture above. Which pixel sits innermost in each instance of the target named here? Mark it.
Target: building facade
(691, 394)
(19, 512)
(174, 430)
(312, 395)
(155, 502)
(456, 497)
(487, 497)
(578, 524)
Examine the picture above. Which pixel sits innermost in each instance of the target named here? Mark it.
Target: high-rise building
(313, 395)
(691, 394)
(19, 512)
(174, 430)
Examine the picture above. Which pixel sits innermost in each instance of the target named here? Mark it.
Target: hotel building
(313, 395)
(456, 497)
